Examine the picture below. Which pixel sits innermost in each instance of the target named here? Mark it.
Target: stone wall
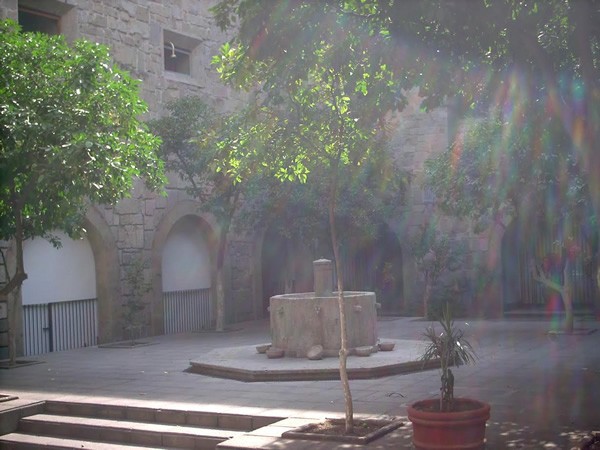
(136, 32)
(419, 137)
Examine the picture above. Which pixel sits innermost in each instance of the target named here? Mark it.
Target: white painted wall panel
(67, 273)
(186, 259)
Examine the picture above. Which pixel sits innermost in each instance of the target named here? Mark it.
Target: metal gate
(187, 311)
(582, 273)
(52, 327)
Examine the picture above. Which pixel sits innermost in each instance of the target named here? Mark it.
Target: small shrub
(452, 349)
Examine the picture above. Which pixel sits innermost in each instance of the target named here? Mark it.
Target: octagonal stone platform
(244, 363)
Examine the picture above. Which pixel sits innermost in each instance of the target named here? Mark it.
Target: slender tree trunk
(232, 201)
(565, 290)
(220, 303)
(343, 355)
(567, 297)
(426, 296)
(220, 290)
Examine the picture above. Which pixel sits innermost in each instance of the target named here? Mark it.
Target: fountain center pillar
(323, 275)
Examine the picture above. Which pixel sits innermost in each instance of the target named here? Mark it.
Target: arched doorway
(375, 264)
(59, 296)
(286, 266)
(186, 277)
(370, 264)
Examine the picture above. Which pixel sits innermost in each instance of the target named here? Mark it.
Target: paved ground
(544, 390)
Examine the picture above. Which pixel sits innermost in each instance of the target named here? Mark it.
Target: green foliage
(454, 290)
(524, 58)
(322, 109)
(69, 132)
(188, 132)
(323, 124)
(439, 47)
(431, 250)
(222, 159)
(215, 154)
(494, 172)
(331, 117)
(452, 349)
(434, 251)
(368, 195)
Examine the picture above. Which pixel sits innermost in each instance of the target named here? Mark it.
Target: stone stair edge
(132, 426)
(9, 417)
(171, 416)
(27, 441)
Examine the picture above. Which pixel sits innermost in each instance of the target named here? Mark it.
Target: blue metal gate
(52, 327)
(187, 311)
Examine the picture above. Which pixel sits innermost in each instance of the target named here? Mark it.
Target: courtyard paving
(544, 389)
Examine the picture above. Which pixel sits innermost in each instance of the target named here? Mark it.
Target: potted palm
(448, 422)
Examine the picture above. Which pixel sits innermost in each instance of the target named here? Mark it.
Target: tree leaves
(69, 131)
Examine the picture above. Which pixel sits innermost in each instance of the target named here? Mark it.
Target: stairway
(69, 425)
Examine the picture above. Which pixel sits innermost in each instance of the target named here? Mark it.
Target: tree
(510, 54)
(494, 173)
(369, 194)
(434, 252)
(70, 135)
(514, 55)
(478, 50)
(196, 140)
(329, 114)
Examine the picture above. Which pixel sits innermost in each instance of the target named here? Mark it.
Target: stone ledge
(245, 364)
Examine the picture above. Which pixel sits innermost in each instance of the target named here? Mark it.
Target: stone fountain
(303, 321)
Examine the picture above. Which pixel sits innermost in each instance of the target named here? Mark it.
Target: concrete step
(125, 432)
(58, 425)
(239, 422)
(19, 441)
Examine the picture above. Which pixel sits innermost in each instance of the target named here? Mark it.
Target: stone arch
(187, 210)
(388, 263)
(285, 267)
(106, 263)
(106, 258)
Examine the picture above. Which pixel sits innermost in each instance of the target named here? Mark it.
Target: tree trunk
(11, 289)
(220, 302)
(567, 297)
(565, 290)
(426, 296)
(343, 355)
(220, 290)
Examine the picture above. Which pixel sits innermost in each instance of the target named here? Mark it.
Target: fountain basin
(300, 321)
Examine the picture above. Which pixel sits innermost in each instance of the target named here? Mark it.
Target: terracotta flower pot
(461, 429)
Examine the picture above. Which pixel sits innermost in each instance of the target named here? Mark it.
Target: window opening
(32, 20)
(429, 197)
(176, 59)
